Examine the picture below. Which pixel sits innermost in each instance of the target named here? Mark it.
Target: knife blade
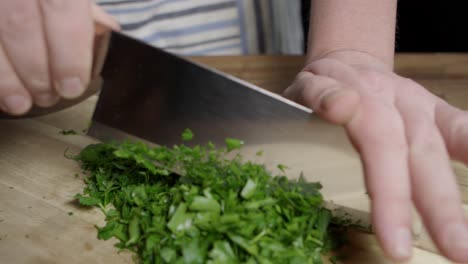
(151, 95)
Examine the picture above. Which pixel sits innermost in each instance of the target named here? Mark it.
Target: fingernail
(70, 88)
(16, 104)
(402, 247)
(46, 99)
(456, 237)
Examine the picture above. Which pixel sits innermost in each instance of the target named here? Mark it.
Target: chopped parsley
(68, 132)
(187, 135)
(216, 210)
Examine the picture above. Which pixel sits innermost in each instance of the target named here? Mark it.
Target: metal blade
(154, 95)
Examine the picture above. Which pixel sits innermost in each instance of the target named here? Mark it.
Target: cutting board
(41, 223)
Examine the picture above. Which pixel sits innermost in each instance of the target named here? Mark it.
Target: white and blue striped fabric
(213, 27)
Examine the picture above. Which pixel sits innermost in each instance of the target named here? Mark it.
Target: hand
(46, 51)
(405, 136)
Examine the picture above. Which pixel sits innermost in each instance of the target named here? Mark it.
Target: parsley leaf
(233, 143)
(87, 201)
(219, 210)
(68, 132)
(187, 135)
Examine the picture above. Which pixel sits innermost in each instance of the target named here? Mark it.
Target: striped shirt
(212, 27)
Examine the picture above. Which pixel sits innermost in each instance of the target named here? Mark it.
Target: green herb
(87, 201)
(187, 135)
(68, 132)
(219, 211)
(282, 167)
(233, 143)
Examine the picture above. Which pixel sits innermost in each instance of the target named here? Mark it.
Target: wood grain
(36, 188)
(37, 183)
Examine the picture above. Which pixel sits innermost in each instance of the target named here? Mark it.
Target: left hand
(46, 51)
(405, 136)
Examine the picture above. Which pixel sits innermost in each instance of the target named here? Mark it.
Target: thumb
(328, 98)
(103, 21)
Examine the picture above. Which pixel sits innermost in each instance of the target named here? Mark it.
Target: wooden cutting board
(40, 222)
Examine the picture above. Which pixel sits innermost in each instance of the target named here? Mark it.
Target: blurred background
(274, 27)
(427, 25)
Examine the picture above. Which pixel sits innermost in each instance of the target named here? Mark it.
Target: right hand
(46, 50)
(405, 136)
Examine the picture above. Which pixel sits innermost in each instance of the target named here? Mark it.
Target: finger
(435, 190)
(378, 135)
(14, 99)
(325, 96)
(23, 40)
(453, 124)
(103, 21)
(69, 32)
(363, 81)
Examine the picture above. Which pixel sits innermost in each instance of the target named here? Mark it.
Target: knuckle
(46, 99)
(370, 76)
(374, 80)
(376, 83)
(324, 62)
(38, 85)
(303, 75)
(302, 79)
(323, 66)
(73, 71)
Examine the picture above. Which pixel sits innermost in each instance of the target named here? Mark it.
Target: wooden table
(37, 183)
